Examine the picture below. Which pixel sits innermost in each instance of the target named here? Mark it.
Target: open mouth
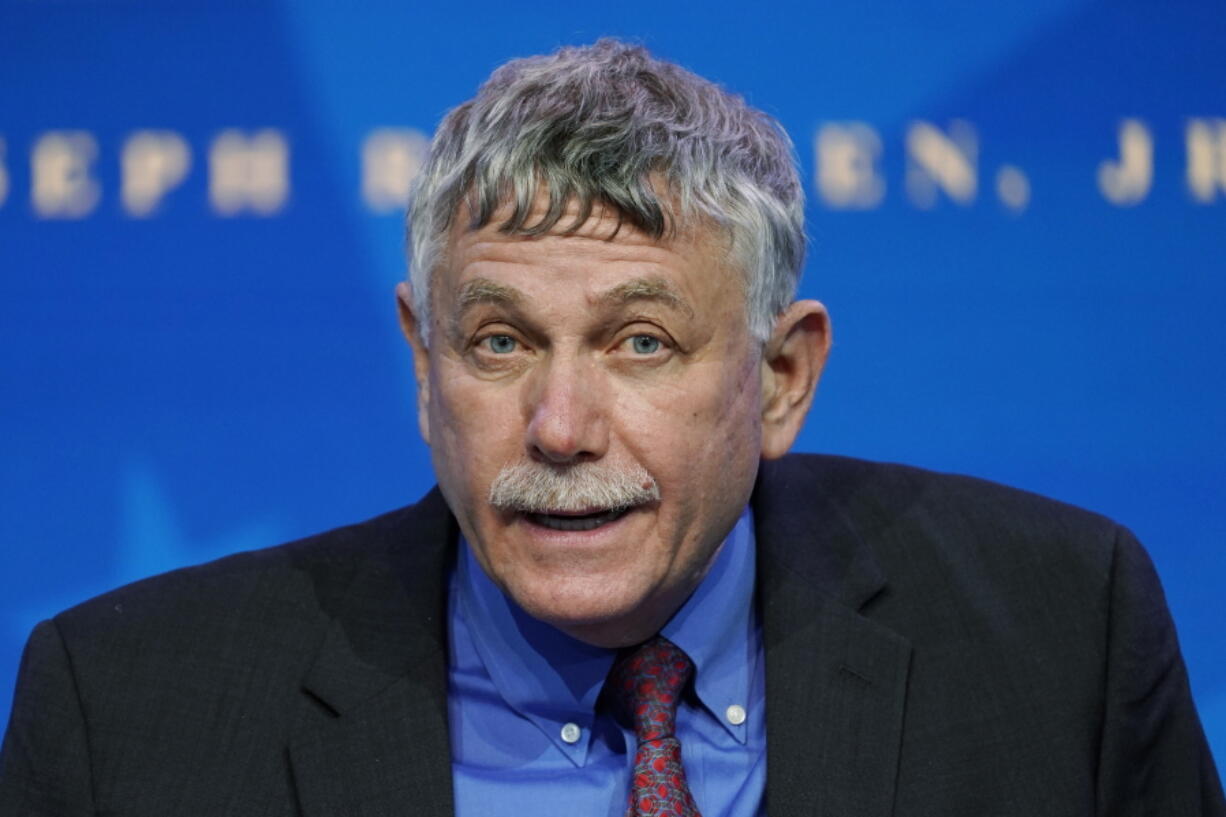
(573, 522)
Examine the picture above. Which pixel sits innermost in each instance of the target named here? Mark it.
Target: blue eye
(501, 344)
(645, 344)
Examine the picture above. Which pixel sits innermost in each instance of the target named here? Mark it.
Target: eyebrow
(485, 291)
(645, 289)
(651, 288)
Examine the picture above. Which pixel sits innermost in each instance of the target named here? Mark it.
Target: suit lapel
(376, 741)
(836, 681)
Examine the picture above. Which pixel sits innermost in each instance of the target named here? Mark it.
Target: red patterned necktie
(648, 682)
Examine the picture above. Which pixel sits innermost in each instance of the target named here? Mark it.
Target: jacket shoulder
(1035, 630)
(259, 613)
(880, 498)
(294, 576)
(198, 675)
(959, 556)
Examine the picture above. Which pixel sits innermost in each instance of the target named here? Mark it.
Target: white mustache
(533, 487)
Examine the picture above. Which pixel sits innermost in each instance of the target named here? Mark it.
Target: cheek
(472, 431)
(734, 442)
(726, 403)
(700, 432)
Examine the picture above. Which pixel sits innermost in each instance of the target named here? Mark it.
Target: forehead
(602, 250)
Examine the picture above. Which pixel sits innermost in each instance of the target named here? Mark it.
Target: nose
(566, 408)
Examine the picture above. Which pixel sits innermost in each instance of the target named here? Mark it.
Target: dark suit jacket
(935, 645)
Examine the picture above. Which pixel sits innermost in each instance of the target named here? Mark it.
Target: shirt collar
(717, 629)
(552, 679)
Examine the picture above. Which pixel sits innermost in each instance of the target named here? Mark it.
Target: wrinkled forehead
(687, 269)
(691, 233)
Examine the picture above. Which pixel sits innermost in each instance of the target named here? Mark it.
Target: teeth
(589, 522)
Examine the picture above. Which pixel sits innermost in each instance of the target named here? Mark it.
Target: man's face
(598, 351)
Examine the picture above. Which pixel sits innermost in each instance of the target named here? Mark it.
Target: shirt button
(735, 714)
(571, 733)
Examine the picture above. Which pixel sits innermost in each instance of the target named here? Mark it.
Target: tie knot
(648, 682)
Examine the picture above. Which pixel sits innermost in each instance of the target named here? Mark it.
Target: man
(623, 598)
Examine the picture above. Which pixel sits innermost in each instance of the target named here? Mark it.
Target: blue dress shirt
(528, 738)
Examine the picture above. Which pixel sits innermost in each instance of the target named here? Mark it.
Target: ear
(792, 363)
(421, 356)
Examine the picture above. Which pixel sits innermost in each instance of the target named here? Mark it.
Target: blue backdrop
(1018, 213)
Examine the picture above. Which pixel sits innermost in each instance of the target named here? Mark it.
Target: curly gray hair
(599, 125)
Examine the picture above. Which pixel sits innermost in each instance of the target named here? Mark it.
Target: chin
(594, 609)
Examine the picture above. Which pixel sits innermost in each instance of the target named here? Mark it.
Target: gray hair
(596, 126)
